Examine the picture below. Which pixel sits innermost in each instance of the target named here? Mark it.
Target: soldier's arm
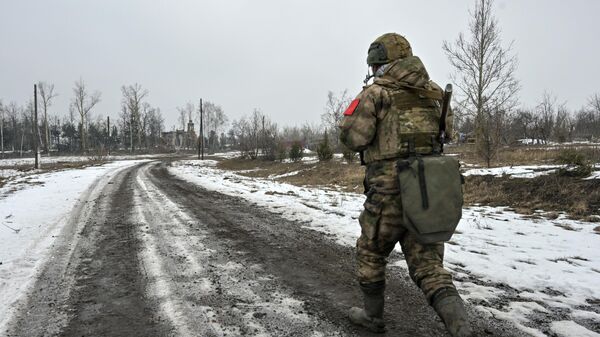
(359, 121)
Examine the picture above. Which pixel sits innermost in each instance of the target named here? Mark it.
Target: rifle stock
(445, 107)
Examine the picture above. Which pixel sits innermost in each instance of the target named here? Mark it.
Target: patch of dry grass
(580, 199)
(334, 173)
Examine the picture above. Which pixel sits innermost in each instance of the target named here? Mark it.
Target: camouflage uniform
(400, 103)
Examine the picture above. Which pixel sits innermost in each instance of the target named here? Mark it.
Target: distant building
(181, 139)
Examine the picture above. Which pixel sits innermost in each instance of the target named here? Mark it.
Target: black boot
(371, 317)
(449, 306)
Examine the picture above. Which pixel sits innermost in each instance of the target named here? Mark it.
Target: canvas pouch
(432, 197)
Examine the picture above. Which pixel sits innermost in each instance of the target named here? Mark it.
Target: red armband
(352, 107)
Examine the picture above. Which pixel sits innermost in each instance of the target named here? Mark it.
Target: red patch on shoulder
(352, 107)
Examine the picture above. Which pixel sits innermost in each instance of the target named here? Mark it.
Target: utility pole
(263, 136)
(108, 134)
(201, 138)
(2, 131)
(36, 130)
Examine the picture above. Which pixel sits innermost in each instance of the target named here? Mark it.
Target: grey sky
(279, 56)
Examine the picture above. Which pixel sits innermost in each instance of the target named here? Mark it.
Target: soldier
(395, 118)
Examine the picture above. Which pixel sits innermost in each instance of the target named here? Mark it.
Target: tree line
(140, 126)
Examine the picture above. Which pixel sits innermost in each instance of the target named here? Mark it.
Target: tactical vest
(408, 123)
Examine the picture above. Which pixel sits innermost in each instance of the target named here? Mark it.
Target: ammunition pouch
(432, 199)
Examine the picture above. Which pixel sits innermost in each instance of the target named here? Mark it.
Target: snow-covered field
(551, 267)
(523, 171)
(33, 211)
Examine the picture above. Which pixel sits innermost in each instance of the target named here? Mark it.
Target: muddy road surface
(146, 254)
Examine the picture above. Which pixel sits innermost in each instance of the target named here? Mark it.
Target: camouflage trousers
(381, 228)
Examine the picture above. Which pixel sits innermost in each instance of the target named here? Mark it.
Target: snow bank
(552, 262)
(525, 171)
(529, 171)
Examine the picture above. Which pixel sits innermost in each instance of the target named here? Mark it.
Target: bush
(296, 152)
(349, 155)
(270, 148)
(281, 151)
(324, 151)
(576, 164)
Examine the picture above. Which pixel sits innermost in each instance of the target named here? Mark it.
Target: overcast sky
(279, 56)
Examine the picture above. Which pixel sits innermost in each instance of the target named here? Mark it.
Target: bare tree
(214, 119)
(133, 96)
(523, 122)
(83, 102)
(594, 103)
(185, 116)
(47, 94)
(593, 111)
(248, 132)
(564, 125)
(155, 125)
(484, 72)
(334, 110)
(545, 118)
(12, 111)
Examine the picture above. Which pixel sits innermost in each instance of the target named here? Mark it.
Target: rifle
(447, 96)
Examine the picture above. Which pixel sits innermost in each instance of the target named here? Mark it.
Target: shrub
(349, 155)
(270, 148)
(281, 151)
(296, 151)
(324, 151)
(576, 164)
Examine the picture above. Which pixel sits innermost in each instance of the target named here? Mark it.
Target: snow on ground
(9, 173)
(289, 174)
(526, 171)
(45, 160)
(31, 218)
(73, 159)
(304, 159)
(227, 155)
(569, 328)
(548, 264)
(534, 141)
(594, 175)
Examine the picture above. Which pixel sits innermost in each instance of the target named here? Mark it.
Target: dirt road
(146, 254)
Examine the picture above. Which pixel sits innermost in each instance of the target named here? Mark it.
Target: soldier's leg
(377, 240)
(425, 266)
(381, 228)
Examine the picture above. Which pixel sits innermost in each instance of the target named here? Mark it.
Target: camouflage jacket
(402, 106)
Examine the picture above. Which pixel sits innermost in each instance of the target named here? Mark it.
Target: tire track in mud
(91, 285)
(206, 289)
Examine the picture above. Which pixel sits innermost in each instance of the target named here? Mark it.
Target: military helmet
(387, 48)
